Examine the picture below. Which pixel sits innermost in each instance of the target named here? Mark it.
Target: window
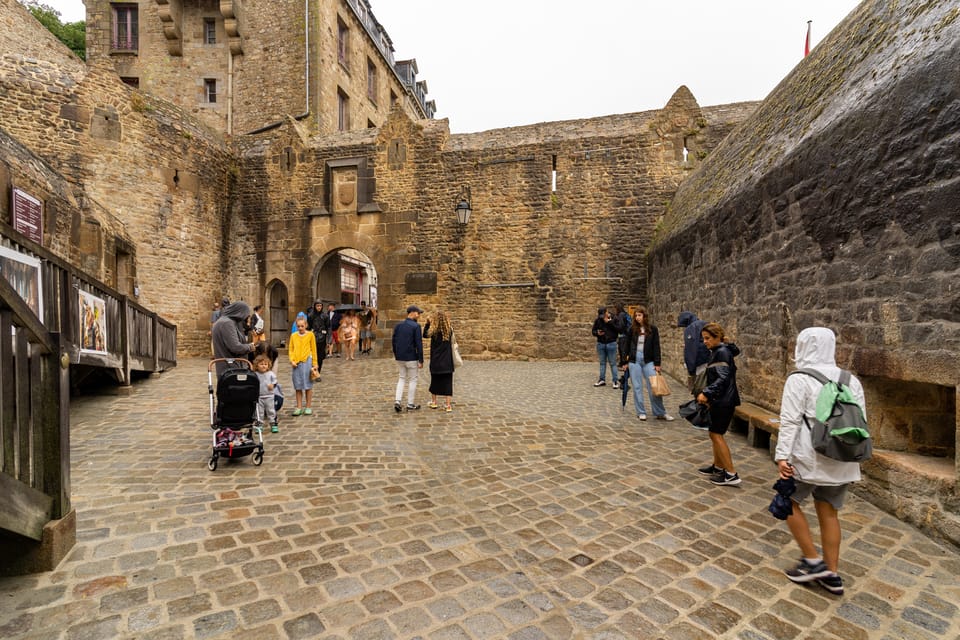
(125, 28)
(343, 36)
(371, 80)
(209, 31)
(131, 81)
(370, 124)
(393, 98)
(343, 111)
(210, 90)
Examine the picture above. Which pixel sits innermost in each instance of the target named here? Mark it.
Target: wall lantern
(463, 208)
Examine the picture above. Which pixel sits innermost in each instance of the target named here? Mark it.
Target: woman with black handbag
(440, 332)
(722, 397)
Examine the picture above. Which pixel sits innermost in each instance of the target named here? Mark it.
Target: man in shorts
(824, 478)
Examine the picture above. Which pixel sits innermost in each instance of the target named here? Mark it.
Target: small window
(343, 37)
(371, 81)
(209, 31)
(125, 34)
(343, 111)
(393, 98)
(370, 124)
(130, 81)
(210, 90)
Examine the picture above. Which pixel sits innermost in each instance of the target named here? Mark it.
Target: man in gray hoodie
(228, 335)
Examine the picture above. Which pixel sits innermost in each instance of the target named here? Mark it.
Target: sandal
(433, 405)
(448, 409)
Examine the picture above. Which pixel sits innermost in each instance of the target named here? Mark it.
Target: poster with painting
(93, 323)
(23, 274)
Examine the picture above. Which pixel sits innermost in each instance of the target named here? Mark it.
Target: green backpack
(839, 430)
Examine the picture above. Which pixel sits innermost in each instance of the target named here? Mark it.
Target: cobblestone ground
(536, 509)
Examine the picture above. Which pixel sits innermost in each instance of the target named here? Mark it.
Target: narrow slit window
(553, 176)
(210, 90)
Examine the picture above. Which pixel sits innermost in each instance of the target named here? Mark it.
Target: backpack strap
(844, 380)
(813, 373)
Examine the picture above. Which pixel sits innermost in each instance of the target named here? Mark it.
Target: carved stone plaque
(421, 282)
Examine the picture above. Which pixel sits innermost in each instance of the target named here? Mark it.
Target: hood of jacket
(686, 318)
(731, 347)
(816, 348)
(236, 311)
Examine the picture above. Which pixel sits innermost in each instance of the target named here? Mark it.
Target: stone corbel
(231, 12)
(170, 12)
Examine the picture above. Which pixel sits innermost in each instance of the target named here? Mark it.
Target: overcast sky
(501, 63)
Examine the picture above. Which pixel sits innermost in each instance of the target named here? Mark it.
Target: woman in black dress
(441, 359)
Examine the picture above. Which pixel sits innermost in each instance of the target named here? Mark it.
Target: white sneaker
(600, 383)
(642, 416)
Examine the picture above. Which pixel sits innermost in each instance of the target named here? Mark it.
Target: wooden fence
(55, 319)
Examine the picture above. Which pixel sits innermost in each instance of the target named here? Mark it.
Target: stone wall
(835, 204)
(526, 274)
(136, 164)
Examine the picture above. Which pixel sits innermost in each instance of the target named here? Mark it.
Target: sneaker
(308, 411)
(832, 583)
(600, 383)
(806, 572)
(724, 479)
(412, 407)
(709, 470)
(666, 417)
(642, 416)
(397, 407)
(296, 411)
(432, 405)
(616, 385)
(274, 428)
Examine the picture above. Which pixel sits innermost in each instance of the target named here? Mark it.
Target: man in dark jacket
(228, 335)
(318, 323)
(606, 332)
(408, 351)
(695, 353)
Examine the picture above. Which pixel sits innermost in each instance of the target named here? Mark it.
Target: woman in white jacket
(825, 478)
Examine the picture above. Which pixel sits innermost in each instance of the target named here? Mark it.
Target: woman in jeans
(641, 354)
(605, 330)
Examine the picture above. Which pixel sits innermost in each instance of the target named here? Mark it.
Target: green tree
(72, 34)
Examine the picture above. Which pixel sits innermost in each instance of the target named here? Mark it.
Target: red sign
(28, 215)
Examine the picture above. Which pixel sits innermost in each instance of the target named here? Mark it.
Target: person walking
(319, 322)
(408, 352)
(228, 336)
(349, 334)
(695, 353)
(641, 359)
(605, 331)
(814, 474)
(440, 332)
(722, 396)
(256, 325)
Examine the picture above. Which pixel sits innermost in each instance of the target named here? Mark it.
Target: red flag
(806, 44)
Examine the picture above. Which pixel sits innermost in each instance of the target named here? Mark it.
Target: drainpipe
(229, 92)
(306, 57)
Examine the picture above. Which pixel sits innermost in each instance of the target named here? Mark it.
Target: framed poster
(373, 296)
(23, 274)
(93, 323)
(28, 215)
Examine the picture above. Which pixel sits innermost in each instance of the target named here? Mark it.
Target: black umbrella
(625, 386)
(782, 506)
(347, 307)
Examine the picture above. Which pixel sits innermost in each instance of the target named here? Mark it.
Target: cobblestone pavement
(536, 509)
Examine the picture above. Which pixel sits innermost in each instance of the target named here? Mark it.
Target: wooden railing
(55, 319)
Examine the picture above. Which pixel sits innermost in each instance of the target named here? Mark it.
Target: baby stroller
(237, 414)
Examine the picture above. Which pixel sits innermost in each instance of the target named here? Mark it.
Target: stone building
(240, 66)
(836, 204)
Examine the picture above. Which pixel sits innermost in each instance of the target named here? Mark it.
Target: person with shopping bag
(641, 358)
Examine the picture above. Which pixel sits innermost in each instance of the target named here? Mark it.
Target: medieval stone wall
(525, 276)
(137, 164)
(835, 204)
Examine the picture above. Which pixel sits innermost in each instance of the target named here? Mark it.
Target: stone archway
(345, 276)
(278, 315)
